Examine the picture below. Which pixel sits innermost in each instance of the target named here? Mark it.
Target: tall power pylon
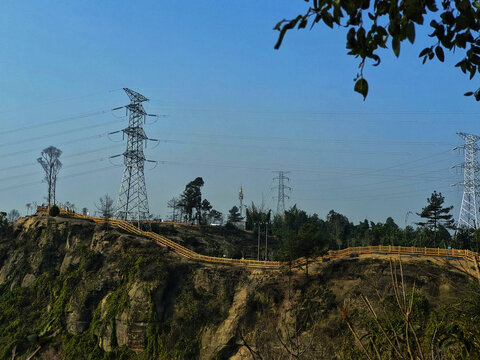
(469, 210)
(132, 202)
(240, 197)
(281, 187)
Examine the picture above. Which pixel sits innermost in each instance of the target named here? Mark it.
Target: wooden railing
(331, 255)
(394, 250)
(177, 248)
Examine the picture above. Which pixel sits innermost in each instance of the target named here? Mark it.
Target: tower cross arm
(135, 96)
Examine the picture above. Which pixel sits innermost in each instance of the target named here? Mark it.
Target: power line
(324, 140)
(65, 132)
(68, 142)
(270, 147)
(57, 100)
(63, 167)
(52, 122)
(63, 157)
(60, 178)
(282, 112)
(323, 169)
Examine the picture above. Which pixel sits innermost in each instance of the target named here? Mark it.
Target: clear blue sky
(236, 108)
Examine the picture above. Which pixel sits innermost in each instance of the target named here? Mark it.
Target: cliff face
(107, 289)
(87, 291)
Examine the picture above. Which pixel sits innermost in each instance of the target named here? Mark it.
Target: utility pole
(266, 241)
(258, 247)
(132, 203)
(405, 232)
(468, 216)
(281, 187)
(240, 197)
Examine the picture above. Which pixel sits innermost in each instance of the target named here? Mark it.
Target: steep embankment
(73, 289)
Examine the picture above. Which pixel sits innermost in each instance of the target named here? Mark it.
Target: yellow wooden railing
(331, 255)
(177, 248)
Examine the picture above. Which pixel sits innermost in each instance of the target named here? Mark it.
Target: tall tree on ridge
(51, 164)
(192, 198)
(436, 215)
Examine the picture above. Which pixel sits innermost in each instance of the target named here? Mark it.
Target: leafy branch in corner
(375, 25)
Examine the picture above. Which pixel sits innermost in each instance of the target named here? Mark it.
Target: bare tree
(106, 206)
(173, 204)
(13, 215)
(69, 206)
(51, 165)
(84, 211)
(28, 206)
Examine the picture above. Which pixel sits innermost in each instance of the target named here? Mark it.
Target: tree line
(305, 235)
(190, 207)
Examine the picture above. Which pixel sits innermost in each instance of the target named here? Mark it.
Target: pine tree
(436, 215)
(234, 215)
(191, 198)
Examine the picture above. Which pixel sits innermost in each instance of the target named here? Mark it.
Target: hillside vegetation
(72, 289)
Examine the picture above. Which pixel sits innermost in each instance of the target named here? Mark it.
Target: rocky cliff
(72, 289)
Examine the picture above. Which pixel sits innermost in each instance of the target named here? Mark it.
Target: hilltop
(73, 289)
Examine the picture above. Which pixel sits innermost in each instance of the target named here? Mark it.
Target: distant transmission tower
(281, 187)
(240, 197)
(469, 210)
(132, 202)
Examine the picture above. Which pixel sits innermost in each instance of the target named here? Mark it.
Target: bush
(4, 225)
(230, 226)
(54, 211)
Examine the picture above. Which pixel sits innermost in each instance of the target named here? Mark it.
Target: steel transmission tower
(132, 202)
(281, 187)
(469, 210)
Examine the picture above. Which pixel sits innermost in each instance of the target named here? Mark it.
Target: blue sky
(236, 109)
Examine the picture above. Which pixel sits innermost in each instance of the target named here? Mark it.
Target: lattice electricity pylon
(281, 190)
(469, 210)
(132, 202)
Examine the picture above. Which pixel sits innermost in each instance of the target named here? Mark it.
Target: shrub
(54, 211)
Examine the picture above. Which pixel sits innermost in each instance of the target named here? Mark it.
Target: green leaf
(396, 46)
(468, 93)
(432, 6)
(361, 86)
(424, 52)
(290, 25)
(473, 69)
(328, 19)
(475, 59)
(303, 23)
(411, 32)
(439, 53)
(280, 38)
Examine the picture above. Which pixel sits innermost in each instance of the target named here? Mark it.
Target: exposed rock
(70, 259)
(13, 266)
(104, 333)
(82, 306)
(220, 339)
(77, 317)
(28, 280)
(131, 325)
